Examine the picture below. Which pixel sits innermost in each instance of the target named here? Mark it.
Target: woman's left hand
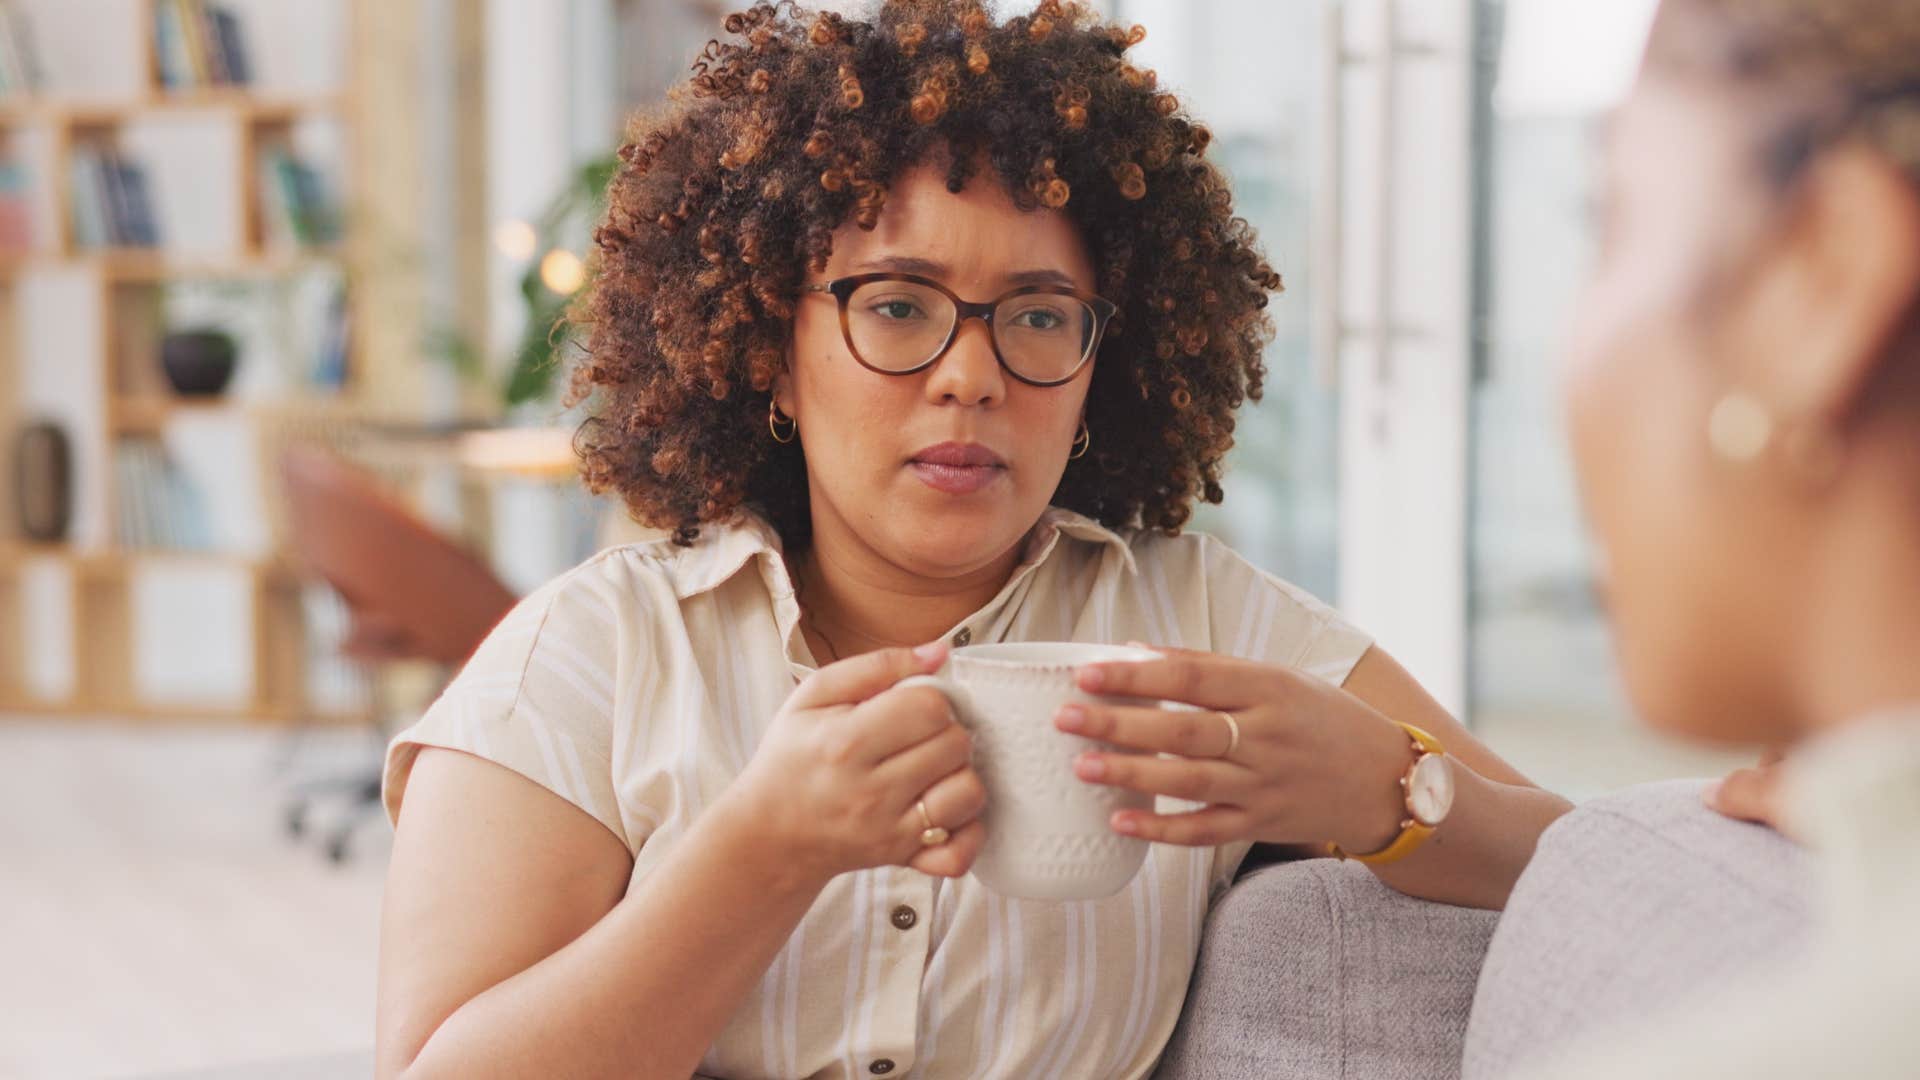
(1752, 794)
(1313, 763)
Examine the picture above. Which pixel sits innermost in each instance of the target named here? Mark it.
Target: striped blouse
(637, 685)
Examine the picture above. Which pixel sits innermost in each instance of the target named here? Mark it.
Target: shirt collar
(724, 550)
(1056, 522)
(1853, 794)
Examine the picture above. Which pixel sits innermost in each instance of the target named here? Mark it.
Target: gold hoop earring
(1081, 442)
(773, 424)
(1739, 429)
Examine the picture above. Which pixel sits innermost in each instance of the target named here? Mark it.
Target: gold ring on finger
(1233, 733)
(933, 835)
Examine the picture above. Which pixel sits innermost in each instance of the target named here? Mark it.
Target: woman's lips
(957, 468)
(956, 479)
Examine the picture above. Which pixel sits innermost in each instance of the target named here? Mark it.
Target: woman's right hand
(1752, 794)
(842, 766)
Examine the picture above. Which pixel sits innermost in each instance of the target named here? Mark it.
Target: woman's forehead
(976, 232)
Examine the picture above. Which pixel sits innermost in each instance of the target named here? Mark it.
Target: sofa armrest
(1316, 970)
(1632, 903)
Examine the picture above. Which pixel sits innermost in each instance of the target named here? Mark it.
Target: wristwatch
(1428, 792)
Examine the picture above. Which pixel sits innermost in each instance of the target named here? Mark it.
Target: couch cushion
(1631, 903)
(1313, 970)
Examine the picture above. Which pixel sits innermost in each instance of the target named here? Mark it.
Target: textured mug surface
(1048, 831)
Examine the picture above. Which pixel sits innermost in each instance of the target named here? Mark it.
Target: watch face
(1430, 790)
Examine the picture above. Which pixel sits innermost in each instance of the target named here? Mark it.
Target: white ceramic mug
(1049, 835)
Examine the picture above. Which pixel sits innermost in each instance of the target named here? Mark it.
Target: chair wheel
(295, 820)
(337, 850)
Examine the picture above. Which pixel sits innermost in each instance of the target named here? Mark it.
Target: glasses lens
(898, 325)
(1043, 336)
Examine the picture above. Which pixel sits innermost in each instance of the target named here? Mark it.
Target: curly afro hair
(729, 194)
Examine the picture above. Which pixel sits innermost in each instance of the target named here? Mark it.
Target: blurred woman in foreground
(1745, 400)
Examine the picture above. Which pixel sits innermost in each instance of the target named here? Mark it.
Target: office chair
(411, 593)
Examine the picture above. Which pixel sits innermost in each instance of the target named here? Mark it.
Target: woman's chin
(957, 534)
(1705, 700)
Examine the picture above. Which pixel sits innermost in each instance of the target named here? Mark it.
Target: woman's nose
(969, 373)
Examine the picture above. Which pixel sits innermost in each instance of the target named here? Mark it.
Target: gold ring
(1233, 733)
(933, 835)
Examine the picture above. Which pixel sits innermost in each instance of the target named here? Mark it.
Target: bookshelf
(111, 237)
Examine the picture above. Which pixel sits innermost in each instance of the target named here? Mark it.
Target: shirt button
(965, 635)
(904, 917)
(881, 1067)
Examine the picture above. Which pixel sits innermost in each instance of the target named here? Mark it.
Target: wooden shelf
(16, 551)
(137, 266)
(244, 100)
(113, 710)
(48, 131)
(15, 707)
(96, 563)
(265, 566)
(237, 103)
(149, 415)
(89, 563)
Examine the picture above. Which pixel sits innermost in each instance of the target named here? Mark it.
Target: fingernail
(1091, 678)
(1090, 768)
(1126, 823)
(1711, 794)
(931, 652)
(1071, 718)
(1138, 645)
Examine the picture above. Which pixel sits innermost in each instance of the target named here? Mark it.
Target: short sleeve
(1258, 616)
(537, 697)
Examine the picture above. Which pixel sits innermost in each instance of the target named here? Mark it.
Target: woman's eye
(895, 309)
(1039, 319)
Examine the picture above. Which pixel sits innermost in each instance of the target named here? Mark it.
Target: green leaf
(451, 347)
(536, 362)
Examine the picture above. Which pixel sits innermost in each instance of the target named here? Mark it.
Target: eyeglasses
(898, 324)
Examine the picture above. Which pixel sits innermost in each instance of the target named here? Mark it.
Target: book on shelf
(112, 206)
(89, 201)
(158, 506)
(16, 209)
(331, 368)
(197, 44)
(20, 71)
(226, 33)
(296, 209)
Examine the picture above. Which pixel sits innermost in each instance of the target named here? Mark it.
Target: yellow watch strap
(1427, 743)
(1412, 833)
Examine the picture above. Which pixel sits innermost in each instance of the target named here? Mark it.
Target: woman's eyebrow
(1042, 277)
(900, 264)
(911, 264)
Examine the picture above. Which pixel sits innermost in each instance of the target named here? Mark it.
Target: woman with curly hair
(918, 330)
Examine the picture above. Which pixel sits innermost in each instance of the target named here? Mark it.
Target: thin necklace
(812, 618)
(832, 651)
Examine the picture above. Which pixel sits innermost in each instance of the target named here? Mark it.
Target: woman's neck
(858, 601)
(1860, 644)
